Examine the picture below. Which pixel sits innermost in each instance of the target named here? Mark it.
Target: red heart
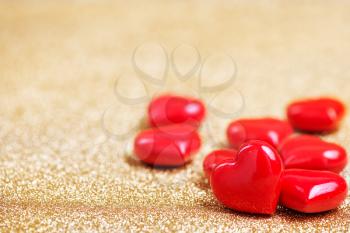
(312, 191)
(172, 109)
(216, 158)
(316, 115)
(269, 130)
(310, 152)
(171, 145)
(252, 182)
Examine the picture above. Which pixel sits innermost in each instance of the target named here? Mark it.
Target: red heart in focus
(312, 191)
(252, 182)
(310, 152)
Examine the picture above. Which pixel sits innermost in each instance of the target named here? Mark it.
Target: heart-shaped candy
(269, 130)
(310, 152)
(252, 182)
(172, 109)
(216, 158)
(316, 115)
(296, 141)
(312, 191)
(171, 145)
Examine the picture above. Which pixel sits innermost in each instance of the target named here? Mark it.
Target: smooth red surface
(270, 130)
(297, 141)
(316, 115)
(312, 191)
(172, 145)
(216, 158)
(252, 182)
(171, 109)
(311, 152)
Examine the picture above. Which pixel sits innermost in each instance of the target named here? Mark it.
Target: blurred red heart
(172, 145)
(269, 130)
(172, 109)
(316, 115)
(310, 152)
(216, 158)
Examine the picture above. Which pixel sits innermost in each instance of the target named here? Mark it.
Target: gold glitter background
(59, 171)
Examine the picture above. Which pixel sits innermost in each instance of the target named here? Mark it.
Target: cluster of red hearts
(266, 164)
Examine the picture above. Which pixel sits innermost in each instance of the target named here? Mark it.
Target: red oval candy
(216, 158)
(316, 115)
(310, 152)
(171, 109)
(269, 130)
(312, 191)
(171, 145)
(252, 182)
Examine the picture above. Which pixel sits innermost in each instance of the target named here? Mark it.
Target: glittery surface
(60, 171)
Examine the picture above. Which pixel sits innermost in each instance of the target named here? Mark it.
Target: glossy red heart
(252, 182)
(312, 191)
(269, 130)
(216, 158)
(310, 152)
(172, 109)
(172, 145)
(297, 141)
(316, 115)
